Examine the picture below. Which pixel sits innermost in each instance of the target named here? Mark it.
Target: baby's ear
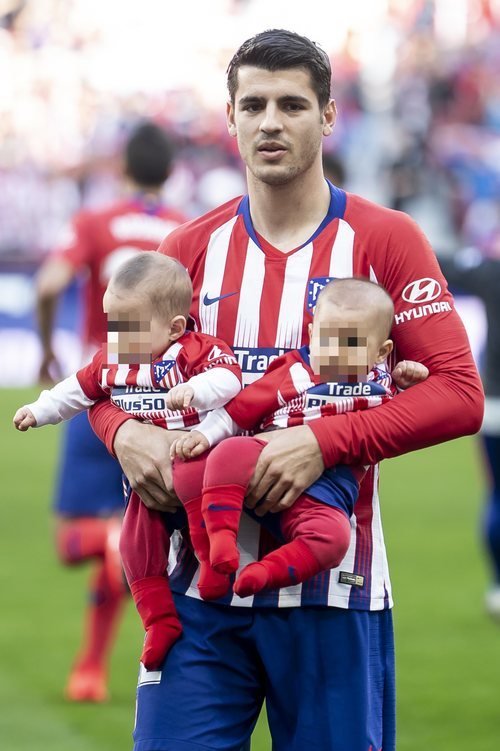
(385, 350)
(177, 327)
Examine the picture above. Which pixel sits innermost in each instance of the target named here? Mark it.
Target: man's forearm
(105, 419)
(435, 411)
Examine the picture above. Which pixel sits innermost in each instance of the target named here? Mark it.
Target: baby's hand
(180, 396)
(408, 373)
(189, 445)
(24, 419)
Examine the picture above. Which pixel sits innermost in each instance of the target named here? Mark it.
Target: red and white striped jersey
(98, 241)
(291, 394)
(260, 300)
(140, 390)
(288, 394)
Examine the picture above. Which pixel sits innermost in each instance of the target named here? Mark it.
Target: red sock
(188, 480)
(154, 602)
(221, 508)
(320, 537)
(103, 613)
(212, 584)
(229, 468)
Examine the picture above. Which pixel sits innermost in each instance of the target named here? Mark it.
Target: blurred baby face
(344, 345)
(134, 335)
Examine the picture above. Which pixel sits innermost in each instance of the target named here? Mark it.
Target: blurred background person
(471, 272)
(88, 500)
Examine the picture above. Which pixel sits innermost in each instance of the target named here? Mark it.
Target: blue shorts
(90, 480)
(327, 676)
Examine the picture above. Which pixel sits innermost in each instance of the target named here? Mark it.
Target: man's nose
(271, 121)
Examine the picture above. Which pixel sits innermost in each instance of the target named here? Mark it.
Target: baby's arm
(67, 398)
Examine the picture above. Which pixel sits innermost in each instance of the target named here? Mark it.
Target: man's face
(278, 123)
(343, 345)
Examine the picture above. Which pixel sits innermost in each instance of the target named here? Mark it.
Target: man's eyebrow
(287, 99)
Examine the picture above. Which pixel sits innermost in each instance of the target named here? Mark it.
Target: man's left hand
(290, 462)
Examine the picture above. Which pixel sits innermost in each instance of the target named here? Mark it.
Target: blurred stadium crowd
(416, 82)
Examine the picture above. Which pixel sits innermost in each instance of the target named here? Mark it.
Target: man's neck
(287, 215)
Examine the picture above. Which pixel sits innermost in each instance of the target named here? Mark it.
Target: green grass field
(448, 650)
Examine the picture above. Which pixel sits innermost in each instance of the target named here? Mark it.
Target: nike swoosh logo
(210, 300)
(221, 507)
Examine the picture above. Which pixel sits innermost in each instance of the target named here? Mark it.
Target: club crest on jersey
(316, 284)
(161, 369)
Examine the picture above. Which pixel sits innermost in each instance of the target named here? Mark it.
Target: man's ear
(177, 327)
(385, 350)
(330, 117)
(231, 126)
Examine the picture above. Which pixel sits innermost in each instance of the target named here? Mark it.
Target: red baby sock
(221, 508)
(212, 584)
(154, 602)
(290, 564)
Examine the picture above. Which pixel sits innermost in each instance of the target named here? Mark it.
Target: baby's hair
(163, 280)
(363, 295)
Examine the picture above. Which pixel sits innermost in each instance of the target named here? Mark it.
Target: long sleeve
(214, 388)
(65, 400)
(427, 329)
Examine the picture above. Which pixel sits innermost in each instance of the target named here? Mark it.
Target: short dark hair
(278, 49)
(148, 155)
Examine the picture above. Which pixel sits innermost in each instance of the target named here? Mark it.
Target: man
(89, 497)
(321, 653)
(473, 273)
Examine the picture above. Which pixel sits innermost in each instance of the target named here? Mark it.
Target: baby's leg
(144, 547)
(319, 538)
(188, 481)
(230, 466)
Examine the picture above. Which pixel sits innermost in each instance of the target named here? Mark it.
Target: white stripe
(248, 319)
(291, 315)
(148, 677)
(341, 262)
(380, 566)
(248, 545)
(215, 265)
(373, 276)
(335, 589)
(300, 377)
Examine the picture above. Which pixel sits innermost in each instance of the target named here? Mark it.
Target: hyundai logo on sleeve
(422, 290)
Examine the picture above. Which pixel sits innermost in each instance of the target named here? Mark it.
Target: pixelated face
(134, 334)
(278, 123)
(129, 338)
(343, 346)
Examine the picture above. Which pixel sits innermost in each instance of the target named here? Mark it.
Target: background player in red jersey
(320, 653)
(348, 341)
(88, 499)
(157, 371)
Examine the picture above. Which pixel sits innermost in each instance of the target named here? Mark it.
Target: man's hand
(180, 396)
(290, 462)
(408, 373)
(24, 419)
(189, 445)
(144, 454)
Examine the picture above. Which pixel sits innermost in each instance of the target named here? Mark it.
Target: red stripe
(274, 279)
(231, 282)
(363, 510)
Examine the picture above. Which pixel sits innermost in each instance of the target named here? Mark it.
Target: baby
(155, 370)
(338, 373)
